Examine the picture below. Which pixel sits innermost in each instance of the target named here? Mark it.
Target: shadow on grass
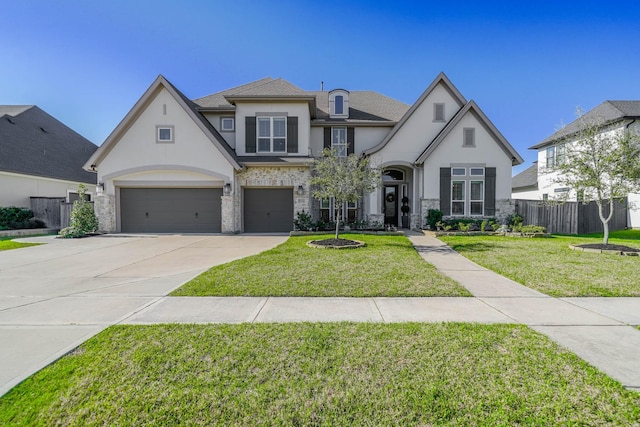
(476, 247)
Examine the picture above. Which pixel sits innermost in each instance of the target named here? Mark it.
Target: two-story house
(614, 117)
(240, 160)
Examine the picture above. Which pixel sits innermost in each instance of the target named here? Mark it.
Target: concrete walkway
(54, 297)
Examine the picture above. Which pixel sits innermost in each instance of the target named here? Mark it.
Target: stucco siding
(420, 129)
(526, 195)
(138, 149)
(486, 153)
(17, 188)
(214, 119)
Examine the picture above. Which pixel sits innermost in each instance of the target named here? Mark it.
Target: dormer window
(339, 104)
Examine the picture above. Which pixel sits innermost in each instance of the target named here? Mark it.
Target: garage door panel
(170, 210)
(268, 210)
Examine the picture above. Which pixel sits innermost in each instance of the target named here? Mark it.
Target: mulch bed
(336, 243)
(609, 247)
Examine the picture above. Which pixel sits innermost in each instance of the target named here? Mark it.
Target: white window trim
(341, 148)
(464, 171)
(346, 207)
(550, 160)
(345, 104)
(165, 141)
(271, 137)
(233, 124)
(471, 171)
(471, 181)
(464, 195)
(465, 141)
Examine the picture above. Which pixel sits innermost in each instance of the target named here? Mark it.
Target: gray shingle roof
(363, 105)
(607, 112)
(34, 143)
(526, 178)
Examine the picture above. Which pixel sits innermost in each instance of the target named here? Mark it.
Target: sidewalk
(599, 330)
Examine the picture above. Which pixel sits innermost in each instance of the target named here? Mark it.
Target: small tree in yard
(345, 179)
(602, 164)
(83, 219)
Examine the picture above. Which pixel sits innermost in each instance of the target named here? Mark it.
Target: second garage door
(268, 209)
(170, 210)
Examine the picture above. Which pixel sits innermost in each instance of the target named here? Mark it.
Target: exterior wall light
(100, 187)
(300, 190)
(227, 189)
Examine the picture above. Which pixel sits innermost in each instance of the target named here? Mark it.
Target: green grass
(6, 243)
(386, 266)
(549, 266)
(320, 374)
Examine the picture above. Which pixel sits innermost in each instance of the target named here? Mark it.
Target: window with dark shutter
(490, 191)
(445, 191)
(351, 141)
(292, 134)
(250, 134)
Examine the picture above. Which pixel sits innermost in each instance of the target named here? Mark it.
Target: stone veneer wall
(504, 208)
(272, 177)
(104, 206)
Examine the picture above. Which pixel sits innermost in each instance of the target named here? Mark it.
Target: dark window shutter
(351, 141)
(445, 191)
(327, 138)
(489, 191)
(250, 134)
(292, 134)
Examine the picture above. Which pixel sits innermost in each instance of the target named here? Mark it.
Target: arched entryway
(395, 196)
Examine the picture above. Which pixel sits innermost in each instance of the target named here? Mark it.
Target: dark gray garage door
(268, 209)
(170, 210)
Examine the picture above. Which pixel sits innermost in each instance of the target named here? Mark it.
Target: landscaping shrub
(83, 219)
(13, 218)
(303, 221)
(533, 229)
(433, 217)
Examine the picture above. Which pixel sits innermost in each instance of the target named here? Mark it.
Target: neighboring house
(240, 160)
(40, 157)
(615, 116)
(525, 184)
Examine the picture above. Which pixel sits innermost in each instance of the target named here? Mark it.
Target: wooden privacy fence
(54, 211)
(571, 217)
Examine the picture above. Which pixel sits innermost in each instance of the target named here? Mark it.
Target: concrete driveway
(55, 296)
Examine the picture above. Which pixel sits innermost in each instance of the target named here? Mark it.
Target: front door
(391, 205)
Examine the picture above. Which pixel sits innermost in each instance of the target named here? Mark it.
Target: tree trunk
(338, 224)
(605, 221)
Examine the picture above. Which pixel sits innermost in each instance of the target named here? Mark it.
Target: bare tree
(344, 179)
(600, 162)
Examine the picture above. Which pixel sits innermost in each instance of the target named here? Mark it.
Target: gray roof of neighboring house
(34, 143)
(526, 178)
(607, 112)
(363, 105)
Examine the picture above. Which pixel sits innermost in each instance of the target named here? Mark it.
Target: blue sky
(528, 65)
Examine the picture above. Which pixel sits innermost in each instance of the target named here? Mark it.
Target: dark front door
(391, 205)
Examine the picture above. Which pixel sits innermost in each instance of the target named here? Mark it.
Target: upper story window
(469, 137)
(272, 134)
(227, 124)
(339, 141)
(339, 104)
(164, 134)
(438, 112)
(551, 156)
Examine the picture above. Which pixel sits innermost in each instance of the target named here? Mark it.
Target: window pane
(551, 151)
(339, 136)
(392, 175)
(227, 123)
(279, 126)
(264, 127)
(339, 104)
(476, 171)
(457, 208)
(279, 144)
(477, 190)
(457, 191)
(324, 204)
(164, 134)
(264, 144)
(341, 150)
(458, 171)
(476, 208)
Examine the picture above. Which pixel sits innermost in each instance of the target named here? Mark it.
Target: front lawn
(6, 243)
(387, 266)
(549, 266)
(339, 374)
